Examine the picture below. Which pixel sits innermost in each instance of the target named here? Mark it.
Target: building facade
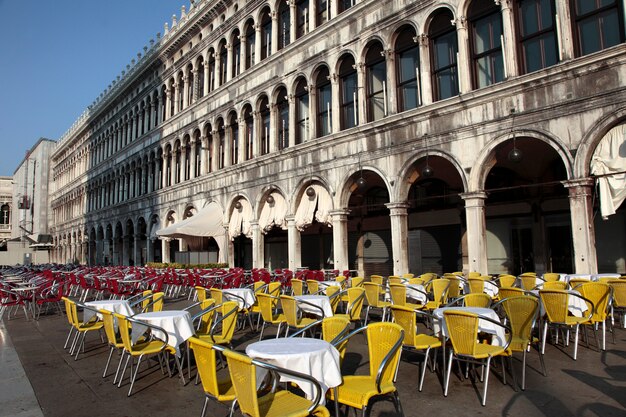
(6, 204)
(380, 136)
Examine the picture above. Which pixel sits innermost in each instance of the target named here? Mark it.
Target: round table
(177, 324)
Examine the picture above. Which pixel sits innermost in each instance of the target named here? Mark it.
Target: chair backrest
(206, 363)
(416, 281)
(312, 286)
(619, 292)
(258, 286)
(243, 375)
(462, 330)
(229, 319)
(506, 280)
(554, 285)
(201, 291)
(70, 311)
(508, 292)
(476, 285)
(454, 290)
(377, 279)
(528, 274)
(555, 303)
(393, 279)
(331, 290)
(124, 326)
(109, 327)
(521, 312)
(408, 275)
(267, 303)
(384, 342)
(398, 294)
(551, 276)
(273, 288)
(477, 300)
(599, 294)
(206, 319)
(334, 327)
(574, 282)
(405, 318)
(297, 286)
(216, 294)
(372, 292)
(528, 282)
(440, 290)
(290, 309)
(473, 274)
(157, 301)
(356, 281)
(356, 296)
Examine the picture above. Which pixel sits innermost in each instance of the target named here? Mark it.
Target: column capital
(477, 197)
(579, 187)
(421, 40)
(339, 214)
(460, 22)
(398, 208)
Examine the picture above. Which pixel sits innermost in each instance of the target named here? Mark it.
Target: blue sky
(59, 55)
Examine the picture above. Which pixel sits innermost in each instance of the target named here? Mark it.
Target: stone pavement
(594, 385)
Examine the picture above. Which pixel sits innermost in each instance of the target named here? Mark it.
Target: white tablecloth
(483, 325)
(491, 288)
(247, 294)
(321, 301)
(313, 357)
(415, 292)
(177, 324)
(596, 277)
(115, 306)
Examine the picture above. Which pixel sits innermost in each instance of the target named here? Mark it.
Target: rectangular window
(349, 101)
(445, 67)
(537, 34)
(324, 115)
(599, 25)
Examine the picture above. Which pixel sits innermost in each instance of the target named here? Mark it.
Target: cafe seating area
(315, 342)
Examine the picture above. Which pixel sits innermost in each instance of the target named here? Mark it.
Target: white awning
(273, 214)
(208, 222)
(609, 162)
(318, 205)
(240, 220)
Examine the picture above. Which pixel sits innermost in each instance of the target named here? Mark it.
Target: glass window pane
(545, 12)
(589, 36)
(409, 96)
(609, 25)
(530, 23)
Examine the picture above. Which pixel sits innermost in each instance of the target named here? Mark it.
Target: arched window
(236, 45)
(599, 24)
(221, 143)
(302, 111)
(323, 11)
(249, 126)
(223, 62)
(233, 127)
(443, 50)
(376, 73)
(5, 214)
(211, 56)
(265, 125)
(486, 46)
(284, 25)
(323, 93)
(302, 18)
(349, 93)
(407, 69)
(266, 34)
(537, 35)
(250, 44)
(282, 108)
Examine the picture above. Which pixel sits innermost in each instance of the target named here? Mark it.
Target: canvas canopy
(609, 163)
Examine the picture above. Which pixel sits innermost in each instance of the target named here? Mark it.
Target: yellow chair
(554, 285)
(373, 293)
(82, 328)
(146, 347)
(575, 282)
(355, 296)
(216, 388)
(356, 282)
(408, 275)
(439, 292)
(399, 297)
(377, 279)
(115, 342)
(508, 292)
(454, 290)
(312, 286)
(332, 292)
(297, 287)
(384, 342)
(551, 276)
(155, 303)
(146, 299)
(556, 304)
(393, 279)
(476, 285)
(334, 330)
(275, 404)
(506, 280)
(599, 294)
(619, 299)
(463, 333)
(203, 320)
(217, 295)
(267, 305)
(274, 289)
(200, 293)
(473, 300)
(473, 274)
(521, 313)
(406, 318)
(528, 282)
(223, 329)
(290, 310)
(416, 281)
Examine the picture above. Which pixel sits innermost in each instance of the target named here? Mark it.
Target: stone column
(312, 15)
(334, 106)
(218, 70)
(291, 137)
(228, 144)
(196, 85)
(241, 152)
(192, 163)
(229, 61)
(508, 33)
(464, 62)
(185, 92)
(164, 170)
(207, 76)
(423, 72)
(242, 54)
(294, 243)
(204, 157)
(273, 139)
(392, 81)
(256, 135)
(293, 22)
(340, 238)
(149, 249)
(165, 249)
(215, 151)
(583, 234)
(136, 250)
(399, 236)
(274, 33)
(258, 254)
(177, 108)
(312, 127)
(476, 231)
(361, 95)
(257, 43)
(168, 103)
